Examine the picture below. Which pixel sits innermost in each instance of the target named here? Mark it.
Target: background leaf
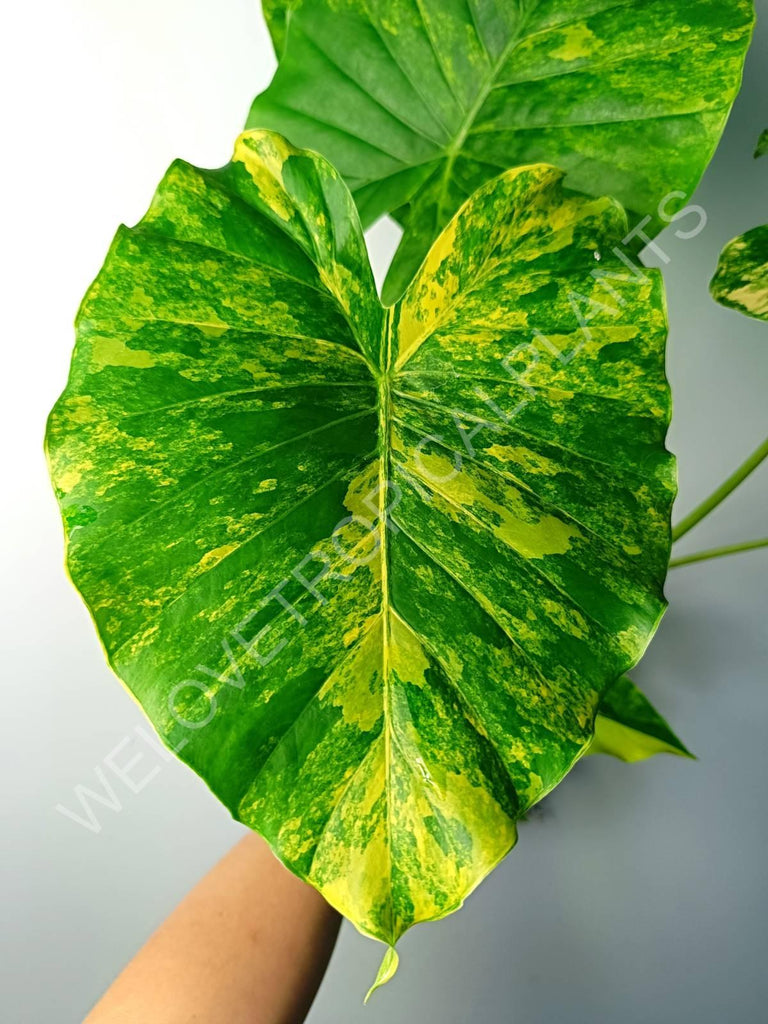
(369, 573)
(630, 728)
(418, 102)
(741, 278)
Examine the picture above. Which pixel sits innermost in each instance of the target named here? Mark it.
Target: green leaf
(418, 102)
(741, 278)
(386, 971)
(277, 14)
(630, 728)
(369, 571)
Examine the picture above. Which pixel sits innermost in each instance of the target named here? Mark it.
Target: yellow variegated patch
(369, 571)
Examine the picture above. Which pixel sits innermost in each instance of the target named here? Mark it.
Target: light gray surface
(636, 893)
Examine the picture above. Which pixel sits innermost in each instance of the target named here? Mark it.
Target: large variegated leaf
(369, 571)
(418, 102)
(741, 278)
(630, 728)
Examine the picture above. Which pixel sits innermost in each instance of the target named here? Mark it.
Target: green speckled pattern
(741, 278)
(418, 102)
(369, 571)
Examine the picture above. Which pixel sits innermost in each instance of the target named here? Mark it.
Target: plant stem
(721, 493)
(730, 549)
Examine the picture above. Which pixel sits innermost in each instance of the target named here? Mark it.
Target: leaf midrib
(452, 152)
(385, 448)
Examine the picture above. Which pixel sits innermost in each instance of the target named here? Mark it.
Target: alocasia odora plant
(370, 570)
(418, 102)
(376, 572)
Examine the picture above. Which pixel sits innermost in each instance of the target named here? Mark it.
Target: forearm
(248, 945)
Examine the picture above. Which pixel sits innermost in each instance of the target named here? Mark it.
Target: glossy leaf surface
(419, 103)
(741, 278)
(630, 728)
(369, 571)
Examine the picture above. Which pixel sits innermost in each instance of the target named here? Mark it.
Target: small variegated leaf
(369, 571)
(741, 278)
(762, 144)
(419, 103)
(630, 728)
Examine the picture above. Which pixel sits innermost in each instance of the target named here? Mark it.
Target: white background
(637, 892)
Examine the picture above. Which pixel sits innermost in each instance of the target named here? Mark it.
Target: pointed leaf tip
(630, 728)
(386, 971)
